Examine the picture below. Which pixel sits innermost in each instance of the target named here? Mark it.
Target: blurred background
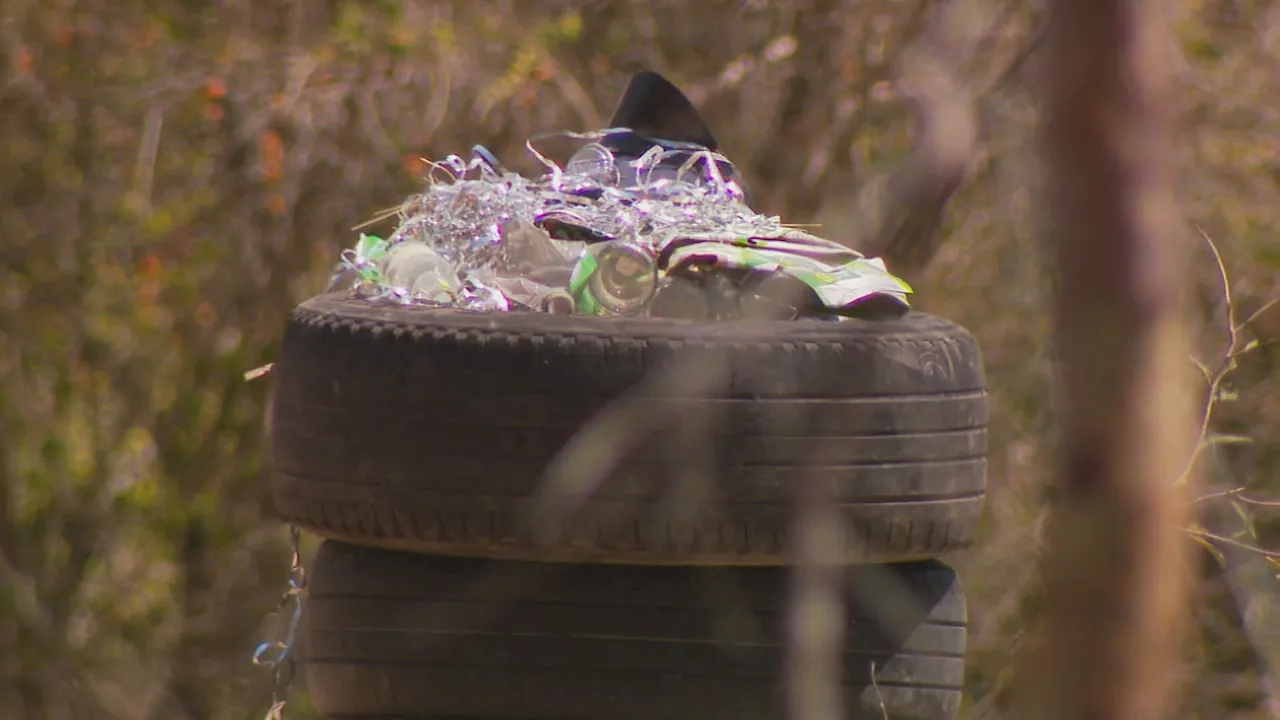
(175, 176)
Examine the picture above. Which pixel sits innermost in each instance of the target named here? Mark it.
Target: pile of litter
(666, 234)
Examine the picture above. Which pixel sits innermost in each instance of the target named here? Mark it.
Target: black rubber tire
(434, 430)
(408, 635)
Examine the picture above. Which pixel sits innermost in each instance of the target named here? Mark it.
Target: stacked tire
(543, 516)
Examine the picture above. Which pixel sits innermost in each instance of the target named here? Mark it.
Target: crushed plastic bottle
(421, 271)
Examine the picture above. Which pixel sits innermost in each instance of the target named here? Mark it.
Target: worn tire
(408, 635)
(644, 441)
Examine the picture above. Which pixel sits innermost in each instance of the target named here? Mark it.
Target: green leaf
(570, 25)
(1203, 49)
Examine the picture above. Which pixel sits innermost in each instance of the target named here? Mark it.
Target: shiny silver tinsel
(468, 203)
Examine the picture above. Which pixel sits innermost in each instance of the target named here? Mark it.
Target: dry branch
(916, 195)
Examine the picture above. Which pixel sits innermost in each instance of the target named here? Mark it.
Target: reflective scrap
(665, 234)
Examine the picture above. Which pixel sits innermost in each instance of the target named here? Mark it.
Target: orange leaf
(25, 62)
(215, 88)
(415, 165)
(276, 204)
(205, 315)
(149, 266)
(272, 147)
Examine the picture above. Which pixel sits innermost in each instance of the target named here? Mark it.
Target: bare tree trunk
(1115, 562)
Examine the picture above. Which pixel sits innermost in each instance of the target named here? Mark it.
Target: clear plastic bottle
(415, 267)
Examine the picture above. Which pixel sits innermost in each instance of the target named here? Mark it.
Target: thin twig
(884, 712)
(1217, 495)
(1236, 494)
(1216, 377)
(1226, 285)
(1213, 537)
(1256, 313)
(816, 614)
(1234, 350)
(1259, 503)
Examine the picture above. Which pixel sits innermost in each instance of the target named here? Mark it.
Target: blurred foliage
(176, 175)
